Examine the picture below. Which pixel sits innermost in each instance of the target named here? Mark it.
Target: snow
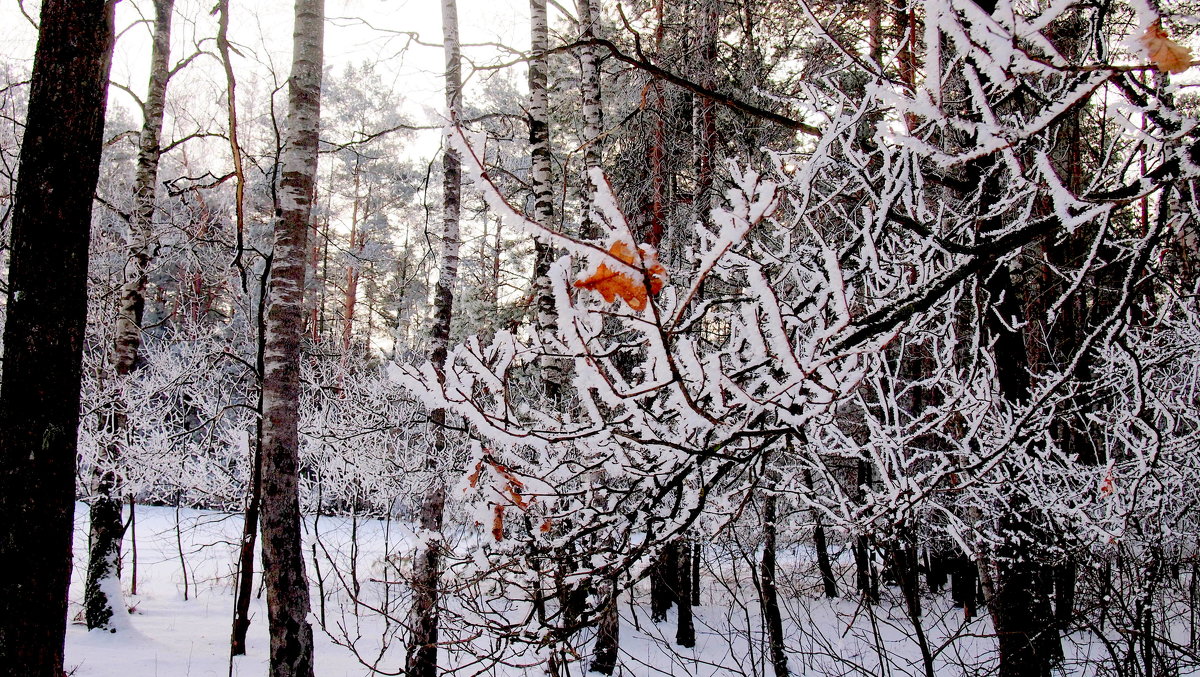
(171, 633)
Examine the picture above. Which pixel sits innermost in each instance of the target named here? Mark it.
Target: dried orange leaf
(611, 284)
(1165, 53)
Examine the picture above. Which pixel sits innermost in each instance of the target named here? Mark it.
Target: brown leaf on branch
(610, 284)
(498, 523)
(1164, 52)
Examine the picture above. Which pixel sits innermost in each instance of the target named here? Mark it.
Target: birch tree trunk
(546, 319)
(593, 113)
(283, 557)
(102, 590)
(422, 657)
(43, 334)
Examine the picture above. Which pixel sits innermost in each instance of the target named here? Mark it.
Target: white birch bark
(422, 657)
(546, 317)
(593, 112)
(283, 558)
(103, 607)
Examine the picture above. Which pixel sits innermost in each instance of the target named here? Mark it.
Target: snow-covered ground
(182, 614)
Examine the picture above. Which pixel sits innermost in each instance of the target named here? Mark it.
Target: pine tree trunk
(704, 121)
(662, 583)
(1021, 604)
(43, 333)
(352, 271)
(107, 529)
(288, 601)
(866, 576)
(422, 656)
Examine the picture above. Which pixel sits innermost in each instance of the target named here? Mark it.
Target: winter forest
(618, 337)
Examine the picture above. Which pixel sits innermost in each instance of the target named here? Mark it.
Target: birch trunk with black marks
(102, 589)
(540, 175)
(608, 621)
(43, 334)
(288, 601)
(422, 654)
(593, 113)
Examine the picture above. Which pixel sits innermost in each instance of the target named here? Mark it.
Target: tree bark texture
(283, 557)
(770, 591)
(546, 317)
(245, 584)
(593, 113)
(422, 654)
(704, 119)
(107, 529)
(663, 582)
(43, 335)
(685, 627)
(1024, 621)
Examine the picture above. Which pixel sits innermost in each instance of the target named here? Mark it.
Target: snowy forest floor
(186, 567)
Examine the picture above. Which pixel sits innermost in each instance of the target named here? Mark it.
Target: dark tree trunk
(245, 584)
(685, 629)
(964, 584)
(608, 630)
(935, 571)
(770, 592)
(43, 334)
(866, 576)
(288, 601)
(1020, 605)
(663, 583)
(824, 565)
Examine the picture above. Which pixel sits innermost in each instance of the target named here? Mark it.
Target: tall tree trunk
(43, 334)
(685, 628)
(102, 590)
(1024, 622)
(593, 112)
(283, 557)
(546, 318)
(770, 591)
(704, 120)
(663, 583)
(824, 565)
(354, 250)
(235, 147)
(608, 622)
(422, 656)
(245, 584)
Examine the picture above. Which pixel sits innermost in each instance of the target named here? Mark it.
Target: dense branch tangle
(798, 297)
